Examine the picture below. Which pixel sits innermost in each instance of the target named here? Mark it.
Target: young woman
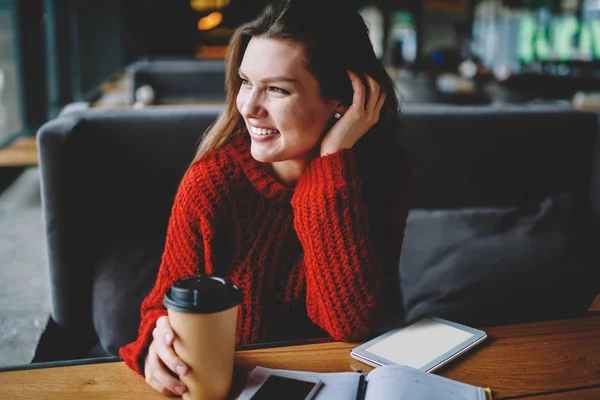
(299, 192)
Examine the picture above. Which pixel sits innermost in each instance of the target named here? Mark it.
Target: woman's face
(280, 102)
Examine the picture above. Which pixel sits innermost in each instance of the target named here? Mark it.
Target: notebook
(389, 382)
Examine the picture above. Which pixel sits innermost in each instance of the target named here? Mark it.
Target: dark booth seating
(502, 227)
(178, 80)
(108, 180)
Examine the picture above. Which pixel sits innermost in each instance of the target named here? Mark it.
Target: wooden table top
(551, 360)
(20, 153)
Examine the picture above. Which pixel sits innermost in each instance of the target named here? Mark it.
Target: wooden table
(20, 153)
(554, 360)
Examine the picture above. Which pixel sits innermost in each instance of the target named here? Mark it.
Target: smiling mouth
(263, 131)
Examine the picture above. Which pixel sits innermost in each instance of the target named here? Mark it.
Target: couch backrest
(504, 225)
(109, 178)
(497, 156)
(176, 80)
(108, 182)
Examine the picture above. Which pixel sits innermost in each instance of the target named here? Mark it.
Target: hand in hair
(358, 119)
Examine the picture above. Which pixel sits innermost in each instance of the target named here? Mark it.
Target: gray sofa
(503, 226)
(178, 80)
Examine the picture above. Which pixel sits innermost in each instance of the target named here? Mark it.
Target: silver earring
(337, 115)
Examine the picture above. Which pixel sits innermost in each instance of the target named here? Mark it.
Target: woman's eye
(245, 82)
(277, 90)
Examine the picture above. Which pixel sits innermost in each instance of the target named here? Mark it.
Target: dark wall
(87, 42)
(29, 35)
(98, 38)
(169, 26)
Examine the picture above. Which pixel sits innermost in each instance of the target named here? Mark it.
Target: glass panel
(10, 102)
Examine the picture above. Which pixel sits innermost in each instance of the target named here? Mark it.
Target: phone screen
(278, 387)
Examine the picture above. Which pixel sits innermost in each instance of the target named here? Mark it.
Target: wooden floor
(20, 153)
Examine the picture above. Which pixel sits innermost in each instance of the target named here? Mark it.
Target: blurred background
(55, 52)
(59, 55)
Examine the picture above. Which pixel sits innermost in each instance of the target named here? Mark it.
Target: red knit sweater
(304, 258)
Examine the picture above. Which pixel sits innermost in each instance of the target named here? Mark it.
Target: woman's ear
(341, 108)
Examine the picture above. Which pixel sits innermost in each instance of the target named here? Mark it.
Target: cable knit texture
(309, 260)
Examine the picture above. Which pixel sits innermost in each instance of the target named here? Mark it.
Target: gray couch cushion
(122, 279)
(496, 265)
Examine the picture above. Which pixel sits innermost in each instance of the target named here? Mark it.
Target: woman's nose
(252, 107)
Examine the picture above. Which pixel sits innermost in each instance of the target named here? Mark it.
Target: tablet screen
(420, 343)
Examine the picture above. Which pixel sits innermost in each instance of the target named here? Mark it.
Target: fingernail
(168, 337)
(180, 370)
(179, 389)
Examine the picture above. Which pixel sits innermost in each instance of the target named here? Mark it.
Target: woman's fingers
(373, 95)
(161, 358)
(158, 378)
(359, 90)
(380, 102)
(163, 345)
(168, 382)
(163, 328)
(371, 102)
(169, 358)
(156, 385)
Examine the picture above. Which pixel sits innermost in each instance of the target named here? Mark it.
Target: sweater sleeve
(351, 256)
(187, 252)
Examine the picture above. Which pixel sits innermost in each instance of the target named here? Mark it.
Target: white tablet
(425, 344)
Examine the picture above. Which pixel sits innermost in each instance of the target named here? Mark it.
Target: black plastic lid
(203, 294)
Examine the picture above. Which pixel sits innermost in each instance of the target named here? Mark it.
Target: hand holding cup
(161, 360)
(201, 333)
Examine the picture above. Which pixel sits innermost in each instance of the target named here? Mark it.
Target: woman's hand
(358, 119)
(162, 356)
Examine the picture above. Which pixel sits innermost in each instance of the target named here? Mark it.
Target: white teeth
(263, 131)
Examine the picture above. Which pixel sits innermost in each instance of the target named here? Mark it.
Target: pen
(360, 392)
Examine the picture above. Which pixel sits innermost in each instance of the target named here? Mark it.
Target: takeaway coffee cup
(203, 314)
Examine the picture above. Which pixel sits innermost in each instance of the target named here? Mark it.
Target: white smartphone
(425, 344)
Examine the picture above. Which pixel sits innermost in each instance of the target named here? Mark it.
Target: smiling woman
(283, 196)
(281, 105)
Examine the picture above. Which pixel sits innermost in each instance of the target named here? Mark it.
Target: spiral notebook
(383, 383)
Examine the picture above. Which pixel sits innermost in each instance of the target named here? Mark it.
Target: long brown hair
(334, 39)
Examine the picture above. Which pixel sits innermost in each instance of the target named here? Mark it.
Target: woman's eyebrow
(277, 78)
(280, 78)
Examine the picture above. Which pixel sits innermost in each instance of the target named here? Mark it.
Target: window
(10, 90)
